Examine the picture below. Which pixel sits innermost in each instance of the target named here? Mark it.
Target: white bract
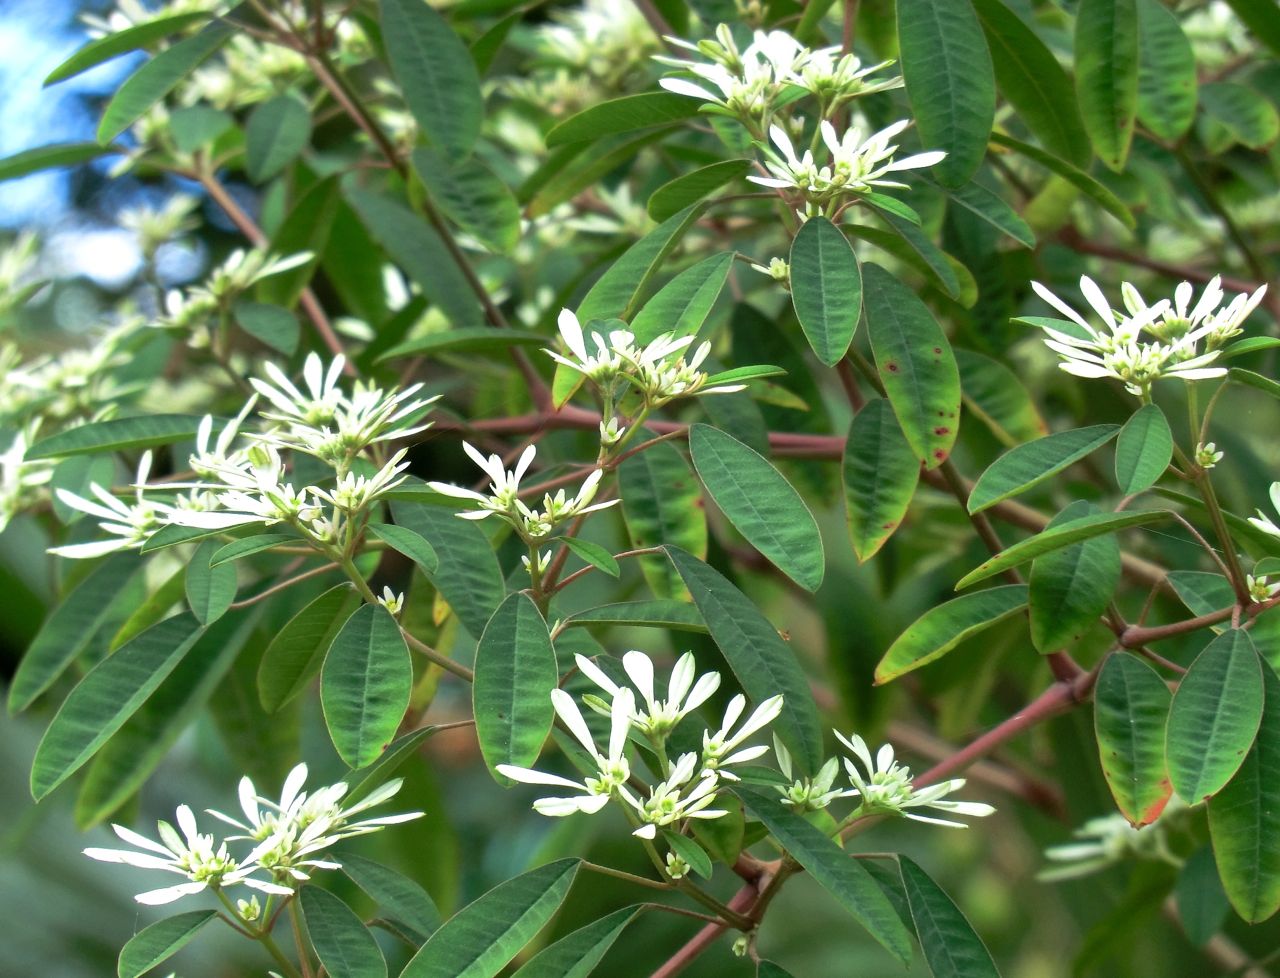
(656, 718)
(808, 794)
(720, 749)
(129, 525)
(679, 797)
(1262, 521)
(21, 481)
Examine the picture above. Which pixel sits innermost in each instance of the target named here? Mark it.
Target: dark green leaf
(941, 629)
(396, 895)
(294, 656)
(662, 504)
(689, 850)
(472, 197)
(273, 325)
(948, 940)
(1130, 710)
(278, 130)
(365, 685)
(116, 435)
(1260, 17)
(1107, 200)
(210, 590)
(826, 288)
(158, 942)
(683, 304)
(1144, 450)
(992, 208)
(476, 339)
(1202, 903)
(626, 114)
(880, 475)
(689, 188)
(675, 615)
(1166, 73)
(340, 939)
(1106, 50)
(1071, 587)
(997, 397)
(412, 545)
(576, 954)
(1028, 465)
(237, 549)
(594, 554)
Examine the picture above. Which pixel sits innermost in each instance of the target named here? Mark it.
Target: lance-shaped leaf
(915, 364)
(880, 475)
(50, 157)
(683, 304)
(472, 196)
(210, 590)
(247, 547)
(1106, 50)
(396, 895)
(1144, 450)
(842, 877)
(764, 506)
(515, 673)
(340, 939)
(368, 779)
(156, 943)
(659, 613)
(277, 131)
(1025, 466)
(116, 435)
(1072, 174)
(995, 395)
(576, 954)
(1049, 540)
(826, 288)
(1071, 587)
(1130, 710)
(113, 45)
(662, 504)
(688, 188)
(994, 209)
(941, 629)
(1215, 716)
(295, 654)
(594, 554)
(1244, 819)
(365, 684)
(948, 940)
(107, 696)
(406, 541)
(1166, 73)
(1237, 113)
(474, 339)
(630, 113)
(436, 74)
(479, 940)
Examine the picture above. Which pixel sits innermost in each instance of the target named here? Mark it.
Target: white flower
(658, 717)
(1203, 320)
(745, 84)
(391, 601)
(662, 374)
(544, 561)
(1207, 455)
(212, 455)
(601, 366)
(835, 78)
(808, 794)
(1259, 589)
(20, 480)
(612, 770)
(191, 854)
(885, 787)
(611, 433)
(777, 269)
(1110, 839)
(675, 799)
(130, 525)
(317, 407)
(1262, 521)
(719, 749)
(355, 493)
(504, 485)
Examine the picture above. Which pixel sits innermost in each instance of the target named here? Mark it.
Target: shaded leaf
(116, 435)
(826, 288)
(295, 654)
(948, 940)
(688, 188)
(1130, 710)
(1144, 450)
(1071, 587)
(1026, 466)
(880, 473)
(340, 939)
(626, 114)
(365, 684)
(683, 304)
(277, 131)
(158, 942)
(576, 954)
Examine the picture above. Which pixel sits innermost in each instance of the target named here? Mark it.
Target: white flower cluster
(198, 307)
(1110, 839)
(1262, 521)
(22, 481)
(1147, 342)
(287, 836)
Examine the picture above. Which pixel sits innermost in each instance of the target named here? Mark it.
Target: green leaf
(992, 208)
(237, 549)
(952, 277)
(594, 554)
(116, 435)
(683, 304)
(195, 127)
(997, 397)
(880, 474)
(949, 78)
(49, 157)
(942, 628)
(210, 590)
(826, 288)
(660, 613)
(107, 696)
(277, 131)
(689, 188)
(365, 685)
(158, 77)
(472, 197)
(1107, 200)
(468, 577)
(270, 324)
(515, 674)
(767, 969)
(1260, 17)
(1215, 716)
(121, 42)
(412, 545)
(915, 364)
(436, 74)
(758, 656)
(389, 761)
(1244, 819)
(689, 850)
(842, 877)
(1106, 57)
(1049, 540)
(616, 294)
(397, 895)
(1237, 375)
(1237, 113)
(479, 940)
(1166, 73)
(738, 375)
(626, 114)
(662, 504)
(340, 939)
(1026, 466)
(158, 942)
(948, 940)
(1202, 902)
(76, 473)
(760, 503)
(576, 954)
(1144, 450)
(294, 656)
(1250, 344)
(1130, 710)
(475, 339)
(70, 628)
(1071, 587)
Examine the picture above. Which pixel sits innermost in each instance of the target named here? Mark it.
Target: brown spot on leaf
(891, 366)
(941, 431)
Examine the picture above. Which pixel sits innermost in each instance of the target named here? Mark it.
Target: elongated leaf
(1166, 73)
(594, 554)
(158, 942)
(767, 969)
(117, 434)
(1244, 819)
(949, 78)
(413, 545)
(295, 655)
(1047, 541)
(210, 590)
(1144, 450)
(365, 684)
(106, 697)
(1215, 716)
(683, 304)
(1071, 587)
(948, 940)
(158, 77)
(617, 292)
(340, 939)
(278, 130)
(688, 188)
(515, 673)
(1260, 17)
(375, 776)
(992, 208)
(941, 629)
(1130, 710)
(756, 653)
(1108, 201)
(915, 364)
(121, 42)
(675, 615)
(997, 397)
(471, 196)
(476, 339)
(50, 157)
(1202, 902)
(70, 628)
(576, 954)
(626, 114)
(1106, 50)
(954, 279)
(662, 505)
(1237, 113)
(690, 851)
(480, 939)
(1025, 466)
(826, 288)
(436, 74)
(842, 877)
(880, 475)
(553, 183)
(760, 503)
(237, 549)
(396, 895)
